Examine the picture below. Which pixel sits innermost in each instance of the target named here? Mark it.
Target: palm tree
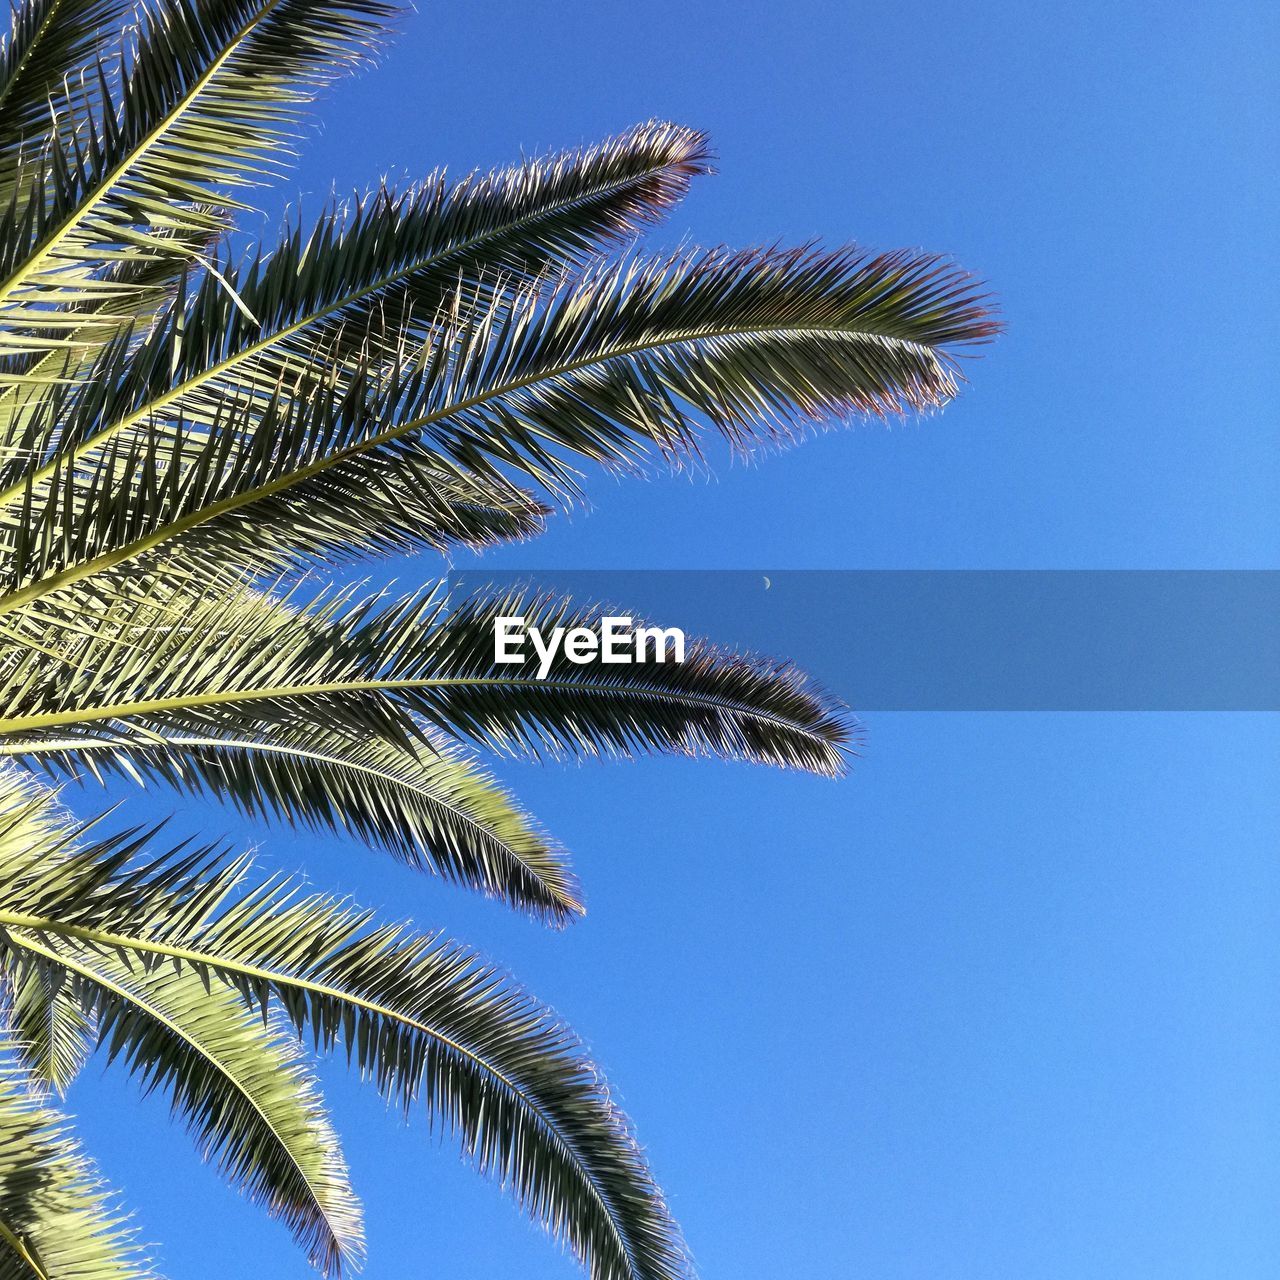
(189, 441)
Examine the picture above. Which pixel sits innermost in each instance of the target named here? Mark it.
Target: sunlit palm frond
(197, 661)
(207, 103)
(388, 507)
(369, 279)
(764, 344)
(58, 1221)
(350, 759)
(428, 804)
(430, 1024)
(715, 702)
(47, 79)
(236, 1079)
(142, 288)
(52, 1031)
(238, 1082)
(186, 429)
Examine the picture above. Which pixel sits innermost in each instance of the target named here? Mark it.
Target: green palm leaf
(232, 1075)
(185, 431)
(388, 507)
(52, 1031)
(356, 762)
(141, 288)
(716, 702)
(763, 343)
(207, 103)
(199, 659)
(161, 947)
(385, 267)
(50, 46)
(57, 1219)
(238, 1082)
(429, 805)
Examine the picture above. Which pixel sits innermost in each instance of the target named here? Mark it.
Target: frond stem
(16, 1244)
(155, 706)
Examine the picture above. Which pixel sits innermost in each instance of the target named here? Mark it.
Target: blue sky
(1003, 1002)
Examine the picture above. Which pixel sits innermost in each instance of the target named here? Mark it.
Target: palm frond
(376, 276)
(355, 762)
(763, 343)
(184, 432)
(431, 1025)
(390, 506)
(58, 1221)
(238, 1082)
(428, 805)
(141, 288)
(47, 59)
(715, 702)
(399, 507)
(52, 1031)
(198, 656)
(234, 1076)
(192, 659)
(207, 103)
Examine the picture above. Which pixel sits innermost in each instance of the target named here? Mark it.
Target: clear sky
(1004, 1002)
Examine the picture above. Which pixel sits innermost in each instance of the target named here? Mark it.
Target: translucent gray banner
(971, 640)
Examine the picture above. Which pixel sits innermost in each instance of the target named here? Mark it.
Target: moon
(767, 584)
